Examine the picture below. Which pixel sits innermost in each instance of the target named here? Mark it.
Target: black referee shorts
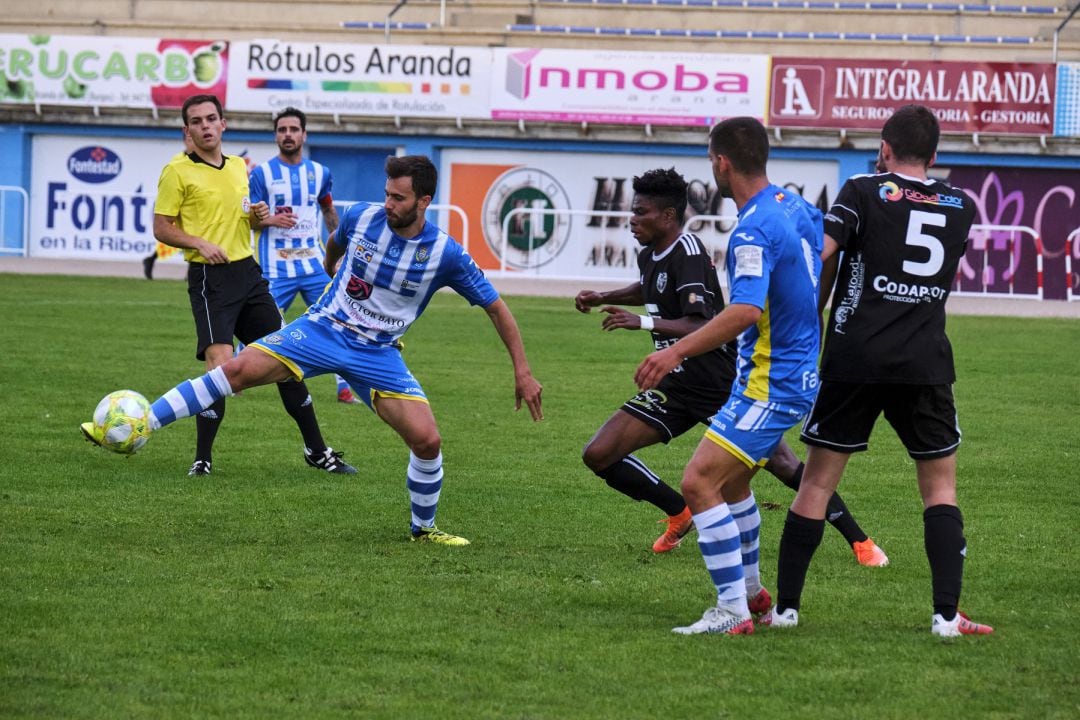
(230, 300)
(923, 416)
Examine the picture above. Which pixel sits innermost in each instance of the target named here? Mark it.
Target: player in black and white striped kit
(680, 291)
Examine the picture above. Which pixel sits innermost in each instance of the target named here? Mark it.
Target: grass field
(271, 590)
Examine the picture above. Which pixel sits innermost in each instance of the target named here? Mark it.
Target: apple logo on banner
(797, 91)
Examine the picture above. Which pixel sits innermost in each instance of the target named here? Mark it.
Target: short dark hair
(912, 132)
(291, 112)
(199, 100)
(666, 187)
(417, 167)
(744, 142)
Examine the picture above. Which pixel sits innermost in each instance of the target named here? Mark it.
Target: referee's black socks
(297, 401)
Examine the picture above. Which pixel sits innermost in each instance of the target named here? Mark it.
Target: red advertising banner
(968, 97)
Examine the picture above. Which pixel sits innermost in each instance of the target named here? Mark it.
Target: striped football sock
(189, 397)
(718, 537)
(748, 520)
(424, 484)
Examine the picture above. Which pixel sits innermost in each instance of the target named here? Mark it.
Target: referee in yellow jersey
(203, 208)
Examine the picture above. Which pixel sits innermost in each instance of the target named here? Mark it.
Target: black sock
(836, 513)
(632, 478)
(798, 542)
(297, 401)
(206, 427)
(839, 517)
(943, 533)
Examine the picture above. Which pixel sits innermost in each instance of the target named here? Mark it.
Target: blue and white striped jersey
(298, 251)
(385, 281)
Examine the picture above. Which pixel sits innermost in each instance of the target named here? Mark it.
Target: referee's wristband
(647, 322)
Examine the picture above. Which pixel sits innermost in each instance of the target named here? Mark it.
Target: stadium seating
(831, 28)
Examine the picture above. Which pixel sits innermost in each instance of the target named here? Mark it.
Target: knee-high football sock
(718, 537)
(634, 479)
(943, 534)
(297, 401)
(189, 397)
(748, 520)
(798, 542)
(424, 481)
(836, 513)
(207, 424)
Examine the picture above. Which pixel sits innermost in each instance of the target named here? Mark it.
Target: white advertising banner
(93, 198)
(96, 71)
(381, 80)
(624, 87)
(551, 200)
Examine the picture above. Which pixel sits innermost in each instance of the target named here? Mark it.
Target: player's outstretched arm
(526, 387)
(629, 295)
(726, 326)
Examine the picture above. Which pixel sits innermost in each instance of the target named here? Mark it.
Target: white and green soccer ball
(122, 421)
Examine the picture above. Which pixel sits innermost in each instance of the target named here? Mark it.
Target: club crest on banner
(526, 202)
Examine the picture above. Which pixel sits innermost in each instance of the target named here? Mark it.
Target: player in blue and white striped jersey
(289, 246)
(392, 261)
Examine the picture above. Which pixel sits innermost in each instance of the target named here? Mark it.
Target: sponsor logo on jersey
(907, 292)
(890, 191)
(358, 288)
(297, 334)
(661, 282)
(852, 294)
(748, 260)
(779, 197)
(245, 205)
(94, 164)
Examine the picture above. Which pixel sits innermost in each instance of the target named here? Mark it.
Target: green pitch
(271, 590)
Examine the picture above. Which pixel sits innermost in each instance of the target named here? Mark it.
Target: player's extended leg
(803, 529)
(193, 397)
(943, 534)
(786, 467)
(608, 454)
(710, 469)
(413, 420)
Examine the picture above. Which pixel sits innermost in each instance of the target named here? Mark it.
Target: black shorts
(230, 300)
(923, 416)
(673, 408)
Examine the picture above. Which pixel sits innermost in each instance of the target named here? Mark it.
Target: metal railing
(24, 239)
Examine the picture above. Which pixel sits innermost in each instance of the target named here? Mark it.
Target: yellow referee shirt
(208, 202)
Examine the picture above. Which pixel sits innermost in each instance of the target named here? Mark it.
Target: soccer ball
(122, 421)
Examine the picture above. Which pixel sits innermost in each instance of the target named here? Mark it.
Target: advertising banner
(1067, 111)
(93, 198)
(623, 87)
(1008, 98)
(381, 80)
(1003, 261)
(553, 231)
(95, 71)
